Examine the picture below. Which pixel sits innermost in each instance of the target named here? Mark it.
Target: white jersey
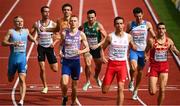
(118, 47)
(45, 38)
(139, 34)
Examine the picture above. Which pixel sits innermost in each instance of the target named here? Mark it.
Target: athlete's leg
(138, 77)
(54, 67)
(88, 66)
(133, 73)
(74, 92)
(163, 78)
(98, 65)
(152, 85)
(64, 84)
(64, 87)
(22, 85)
(120, 93)
(108, 78)
(43, 76)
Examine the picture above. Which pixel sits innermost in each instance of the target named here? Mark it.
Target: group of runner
(94, 40)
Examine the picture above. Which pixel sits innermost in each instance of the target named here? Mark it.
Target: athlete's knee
(105, 89)
(10, 78)
(152, 92)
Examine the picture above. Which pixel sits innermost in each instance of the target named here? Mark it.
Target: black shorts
(49, 52)
(96, 53)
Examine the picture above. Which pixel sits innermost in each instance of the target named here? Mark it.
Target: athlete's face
(119, 24)
(67, 11)
(18, 22)
(45, 13)
(161, 30)
(139, 17)
(91, 18)
(74, 22)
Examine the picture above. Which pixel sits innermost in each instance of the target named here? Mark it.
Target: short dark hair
(160, 23)
(118, 18)
(43, 7)
(91, 11)
(137, 10)
(67, 5)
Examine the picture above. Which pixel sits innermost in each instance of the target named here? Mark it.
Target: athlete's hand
(16, 43)
(42, 29)
(104, 60)
(94, 47)
(61, 54)
(52, 45)
(146, 58)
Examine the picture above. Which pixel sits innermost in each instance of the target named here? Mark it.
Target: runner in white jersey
(16, 38)
(119, 42)
(139, 31)
(45, 29)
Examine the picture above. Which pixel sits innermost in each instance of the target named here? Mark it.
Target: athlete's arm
(107, 42)
(131, 42)
(31, 38)
(128, 29)
(61, 43)
(150, 29)
(6, 41)
(148, 47)
(33, 31)
(103, 33)
(173, 47)
(85, 43)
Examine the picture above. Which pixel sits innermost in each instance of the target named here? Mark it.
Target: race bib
(20, 47)
(139, 39)
(118, 52)
(69, 52)
(92, 41)
(160, 56)
(45, 39)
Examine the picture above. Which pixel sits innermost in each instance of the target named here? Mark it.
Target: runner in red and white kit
(119, 42)
(159, 67)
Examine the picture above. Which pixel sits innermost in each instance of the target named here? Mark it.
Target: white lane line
(127, 64)
(9, 12)
(81, 3)
(80, 11)
(27, 57)
(49, 3)
(114, 8)
(156, 21)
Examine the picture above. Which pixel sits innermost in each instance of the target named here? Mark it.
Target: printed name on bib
(20, 47)
(160, 56)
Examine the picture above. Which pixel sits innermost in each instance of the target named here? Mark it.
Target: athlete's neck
(91, 24)
(119, 33)
(161, 39)
(74, 30)
(66, 18)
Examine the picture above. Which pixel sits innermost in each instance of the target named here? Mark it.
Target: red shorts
(117, 68)
(157, 68)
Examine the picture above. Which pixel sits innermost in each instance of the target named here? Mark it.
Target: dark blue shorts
(138, 56)
(17, 62)
(71, 67)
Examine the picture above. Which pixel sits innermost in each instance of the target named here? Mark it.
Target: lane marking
(114, 8)
(81, 3)
(9, 12)
(27, 58)
(80, 11)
